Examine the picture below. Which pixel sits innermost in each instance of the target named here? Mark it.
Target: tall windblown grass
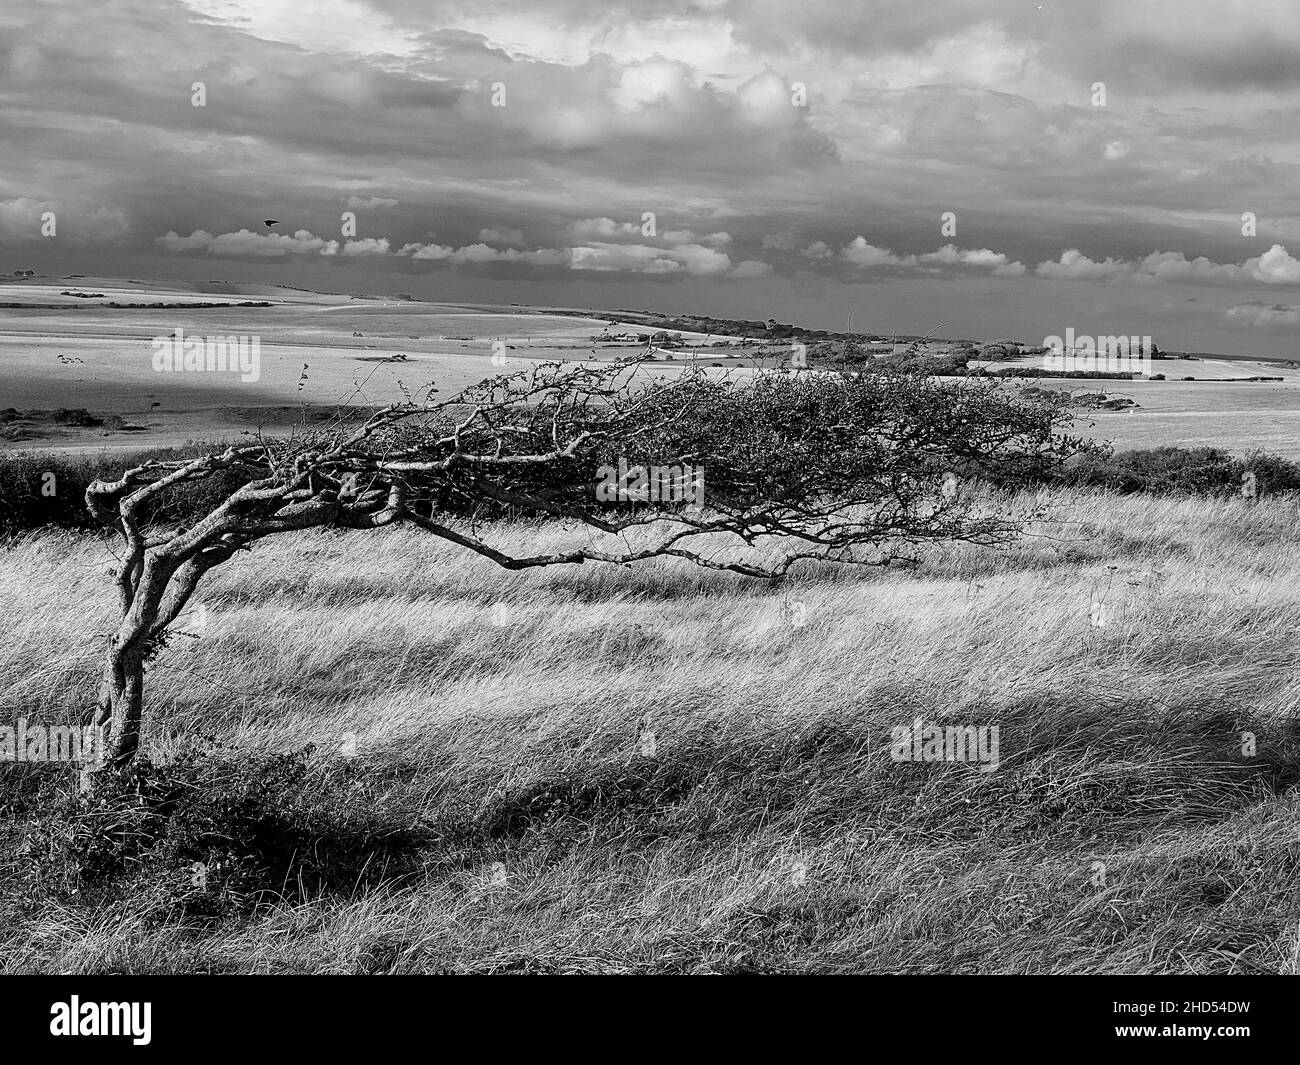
(481, 793)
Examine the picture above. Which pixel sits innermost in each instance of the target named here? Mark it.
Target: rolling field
(451, 345)
(1240, 416)
(659, 769)
(115, 374)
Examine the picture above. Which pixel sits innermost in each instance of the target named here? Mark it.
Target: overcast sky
(798, 156)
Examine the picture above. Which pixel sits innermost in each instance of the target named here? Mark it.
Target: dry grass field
(660, 769)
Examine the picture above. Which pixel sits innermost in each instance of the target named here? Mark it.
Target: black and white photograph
(650, 487)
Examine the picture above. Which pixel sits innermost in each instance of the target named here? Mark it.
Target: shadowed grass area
(389, 757)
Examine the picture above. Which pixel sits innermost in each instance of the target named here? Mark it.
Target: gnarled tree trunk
(120, 704)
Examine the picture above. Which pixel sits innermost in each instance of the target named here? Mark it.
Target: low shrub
(208, 836)
(1201, 471)
(40, 489)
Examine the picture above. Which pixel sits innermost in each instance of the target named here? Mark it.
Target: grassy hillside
(506, 809)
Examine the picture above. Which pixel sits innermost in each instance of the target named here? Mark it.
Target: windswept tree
(857, 469)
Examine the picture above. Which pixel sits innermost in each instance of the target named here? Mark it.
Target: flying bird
(271, 222)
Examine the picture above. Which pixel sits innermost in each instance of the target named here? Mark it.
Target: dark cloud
(782, 127)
